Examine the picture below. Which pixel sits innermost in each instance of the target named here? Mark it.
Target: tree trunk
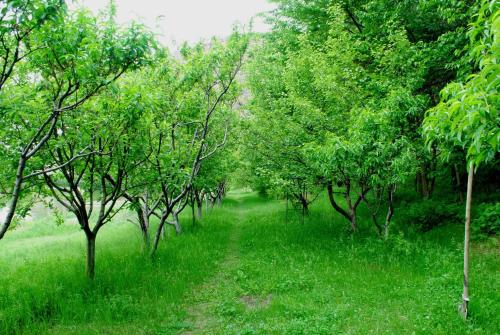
(351, 215)
(425, 184)
(465, 296)
(90, 266)
(373, 213)
(163, 232)
(200, 210)
(199, 204)
(458, 183)
(334, 204)
(193, 215)
(377, 225)
(176, 223)
(143, 220)
(354, 225)
(158, 234)
(146, 240)
(305, 204)
(11, 210)
(390, 213)
(418, 183)
(352, 209)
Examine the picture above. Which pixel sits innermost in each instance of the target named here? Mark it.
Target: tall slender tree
(467, 115)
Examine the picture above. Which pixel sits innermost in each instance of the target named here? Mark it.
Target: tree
(467, 115)
(78, 56)
(281, 120)
(110, 134)
(214, 90)
(188, 123)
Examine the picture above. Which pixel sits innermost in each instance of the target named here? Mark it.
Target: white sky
(176, 21)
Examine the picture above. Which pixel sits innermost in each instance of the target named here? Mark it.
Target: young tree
(388, 161)
(110, 133)
(467, 115)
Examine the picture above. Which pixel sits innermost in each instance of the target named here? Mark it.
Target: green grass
(43, 288)
(246, 271)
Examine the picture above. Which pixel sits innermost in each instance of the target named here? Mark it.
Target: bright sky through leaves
(187, 20)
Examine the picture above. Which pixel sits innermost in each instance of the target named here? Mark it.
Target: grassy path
(204, 299)
(215, 305)
(315, 278)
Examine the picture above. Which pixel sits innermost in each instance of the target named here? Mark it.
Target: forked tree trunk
(464, 308)
(90, 266)
(351, 215)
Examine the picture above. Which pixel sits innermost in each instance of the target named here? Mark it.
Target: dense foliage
(96, 117)
(341, 89)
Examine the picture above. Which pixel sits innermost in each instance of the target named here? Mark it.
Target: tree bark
(354, 224)
(200, 210)
(334, 203)
(176, 223)
(161, 227)
(146, 240)
(351, 215)
(157, 237)
(11, 210)
(143, 220)
(390, 213)
(163, 232)
(458, 183)
(199, 204)
(90, 266)
(465, 295)
(193, 215)
(305, 204)
(206, 203)
(425, 184)
(351, 207)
